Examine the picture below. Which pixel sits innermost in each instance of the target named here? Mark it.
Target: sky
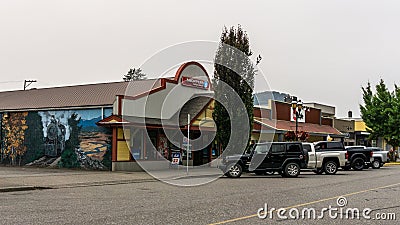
(319, 51)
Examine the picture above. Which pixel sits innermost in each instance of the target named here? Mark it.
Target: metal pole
(187, 147)
(297, 124)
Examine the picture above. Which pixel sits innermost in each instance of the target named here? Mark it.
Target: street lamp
(297, 107)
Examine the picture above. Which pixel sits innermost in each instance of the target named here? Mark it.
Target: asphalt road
(225, 201)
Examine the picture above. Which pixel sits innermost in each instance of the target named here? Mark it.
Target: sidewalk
(393, 163)
(31, 178)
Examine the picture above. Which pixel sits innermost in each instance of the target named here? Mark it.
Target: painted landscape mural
(64, 138)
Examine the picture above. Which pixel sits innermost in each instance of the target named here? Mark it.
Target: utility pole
(188, 145)
(28, 82)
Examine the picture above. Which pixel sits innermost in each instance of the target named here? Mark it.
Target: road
(224, 201)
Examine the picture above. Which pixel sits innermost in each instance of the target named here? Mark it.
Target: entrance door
(277, 154)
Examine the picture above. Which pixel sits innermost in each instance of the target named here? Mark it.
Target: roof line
(68, 86)
(57, 108)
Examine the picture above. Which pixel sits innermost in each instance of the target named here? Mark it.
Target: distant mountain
(89, 123)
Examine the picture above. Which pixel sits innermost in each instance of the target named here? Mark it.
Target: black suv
(286, 158)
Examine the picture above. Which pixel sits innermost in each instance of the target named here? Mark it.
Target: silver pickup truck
(380, 157)
(325, 160)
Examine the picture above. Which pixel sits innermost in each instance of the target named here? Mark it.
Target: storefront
(275, 121)
(150, 126)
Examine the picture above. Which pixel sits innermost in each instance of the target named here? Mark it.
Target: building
(357, 132)
(105, 124)
(39, 125)
(274, 116)
(146, 132)
(125, 125)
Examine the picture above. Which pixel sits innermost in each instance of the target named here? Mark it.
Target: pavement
(31, 178)
(224, 201)
(34, 178)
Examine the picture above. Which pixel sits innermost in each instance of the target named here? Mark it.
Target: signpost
(188, 146)
(176, 157)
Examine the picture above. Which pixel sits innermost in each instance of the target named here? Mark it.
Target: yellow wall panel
(122, 132)
(123, 151)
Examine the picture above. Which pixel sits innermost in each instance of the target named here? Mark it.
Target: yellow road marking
(307, 203)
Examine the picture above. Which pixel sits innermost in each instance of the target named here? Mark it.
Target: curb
(73, 185)
(392, 164)
(18, 188)
(102, 183)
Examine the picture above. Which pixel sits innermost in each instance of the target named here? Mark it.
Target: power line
(14, 81)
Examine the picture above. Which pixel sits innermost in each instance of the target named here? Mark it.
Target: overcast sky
(320, 51)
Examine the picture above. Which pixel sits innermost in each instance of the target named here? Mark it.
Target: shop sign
(176, 156)
(301, 119)
(196, 83)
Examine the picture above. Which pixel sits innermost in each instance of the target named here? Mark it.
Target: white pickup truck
(325, 160)
(380, 157)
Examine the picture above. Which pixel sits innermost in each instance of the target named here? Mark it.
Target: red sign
(196, 83)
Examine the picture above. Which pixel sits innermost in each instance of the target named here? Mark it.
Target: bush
(69, 158)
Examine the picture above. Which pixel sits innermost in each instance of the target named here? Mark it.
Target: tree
(239, 76)
(134, 74)
(34, 137)
(380, 112)
(14, 138)
(69, 158)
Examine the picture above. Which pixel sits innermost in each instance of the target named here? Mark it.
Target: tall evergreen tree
(134, 74)
(380, 112)
(239, 75)
(34, 137)
(69, 158)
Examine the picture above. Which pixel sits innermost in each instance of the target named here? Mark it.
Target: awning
(112, 121)
(311, 128)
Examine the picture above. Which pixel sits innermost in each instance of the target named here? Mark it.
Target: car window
(335, 145)
(261, 149)
(307, 147)
(276, 148)
(320, 146)
(293, 148)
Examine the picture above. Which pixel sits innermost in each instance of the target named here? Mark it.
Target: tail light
(371, 153)
(347, 155)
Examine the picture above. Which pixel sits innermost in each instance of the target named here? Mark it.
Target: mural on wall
(64, 138)
(14, 126)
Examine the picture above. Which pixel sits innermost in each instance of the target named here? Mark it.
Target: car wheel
(376, 164)
(358, 164)
(292, 170)
(318, 171)
(330, 167)
(234, 171)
